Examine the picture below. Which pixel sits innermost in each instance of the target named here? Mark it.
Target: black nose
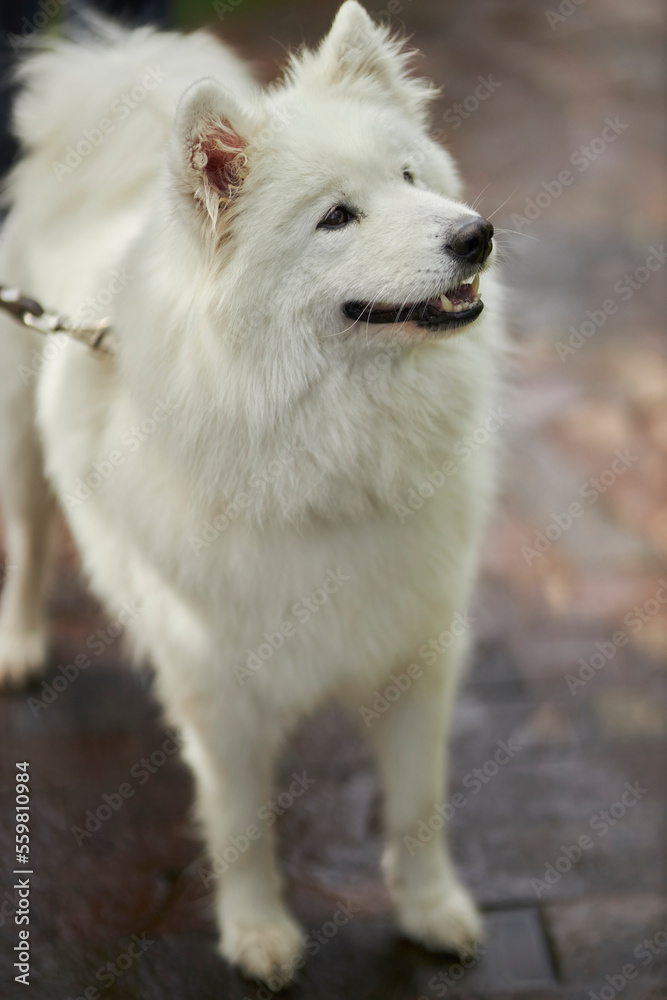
(471, 240)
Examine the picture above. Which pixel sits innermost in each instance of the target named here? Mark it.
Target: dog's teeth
(446, 304)
(475, 284)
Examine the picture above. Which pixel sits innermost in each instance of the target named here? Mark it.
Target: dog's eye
(409, 177)
(337, 217)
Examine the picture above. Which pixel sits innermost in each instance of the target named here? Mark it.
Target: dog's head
(327, 198)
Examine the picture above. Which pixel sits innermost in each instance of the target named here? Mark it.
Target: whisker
(528, 236)
(368, 318)
(477, 199)
(504, 203)
(341, 332)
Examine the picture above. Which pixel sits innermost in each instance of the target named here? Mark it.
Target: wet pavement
(563, 845)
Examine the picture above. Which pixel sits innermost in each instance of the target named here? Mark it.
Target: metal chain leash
(30, 313)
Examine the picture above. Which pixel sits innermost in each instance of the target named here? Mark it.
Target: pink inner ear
(222, 149)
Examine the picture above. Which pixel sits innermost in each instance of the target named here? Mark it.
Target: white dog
(293, 285)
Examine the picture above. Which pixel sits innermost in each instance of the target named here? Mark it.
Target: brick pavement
(569, 932)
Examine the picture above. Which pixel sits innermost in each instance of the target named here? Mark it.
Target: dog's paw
(271, 950)
(442, 919)
(22, 655)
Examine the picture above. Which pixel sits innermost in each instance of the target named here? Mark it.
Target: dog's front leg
(234, 777)
(433, 906)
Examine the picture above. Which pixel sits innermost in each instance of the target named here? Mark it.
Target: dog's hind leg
(27, 505)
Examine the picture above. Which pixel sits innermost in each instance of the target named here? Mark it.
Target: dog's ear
(212, 132)
(358, 48)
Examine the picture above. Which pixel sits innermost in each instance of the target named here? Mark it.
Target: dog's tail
(75, 92)
(95, 107)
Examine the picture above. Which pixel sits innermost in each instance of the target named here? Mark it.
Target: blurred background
(555, 112)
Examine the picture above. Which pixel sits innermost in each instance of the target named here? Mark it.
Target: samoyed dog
(269, 463)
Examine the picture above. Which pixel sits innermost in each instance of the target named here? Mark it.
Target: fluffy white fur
(230, 314)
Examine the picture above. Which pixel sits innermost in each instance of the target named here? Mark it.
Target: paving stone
(640, 991)
(102, 697)
(597, 936)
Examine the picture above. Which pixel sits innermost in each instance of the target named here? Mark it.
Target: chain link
(30, 313)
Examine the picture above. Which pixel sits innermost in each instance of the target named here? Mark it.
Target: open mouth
(447, 311)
